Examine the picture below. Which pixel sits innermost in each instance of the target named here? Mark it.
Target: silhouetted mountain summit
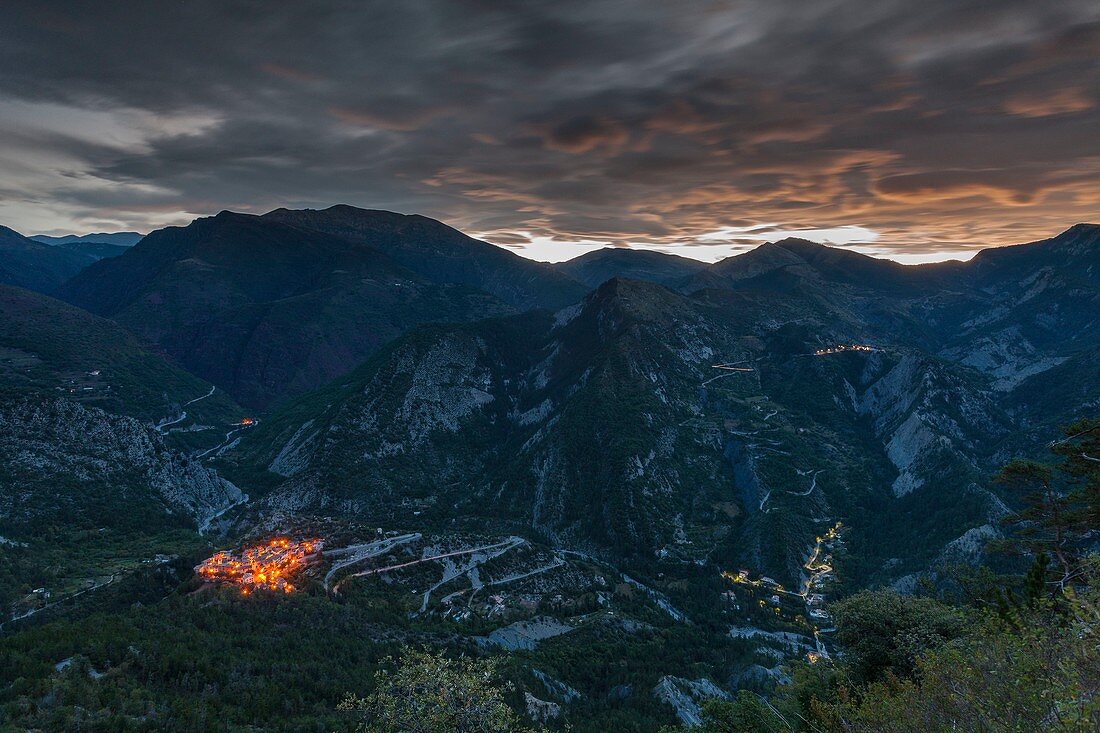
(1075, 252)
(798, 263)
(602, 265)
(442, 254)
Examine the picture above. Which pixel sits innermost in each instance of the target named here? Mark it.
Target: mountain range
(117, 239)
(36, 266)
(629, 403)
(607, 425)
(598, 267)
(647, 478)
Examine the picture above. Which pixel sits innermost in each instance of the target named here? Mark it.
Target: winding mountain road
(509, 543)
(227, 442)
(365, 551)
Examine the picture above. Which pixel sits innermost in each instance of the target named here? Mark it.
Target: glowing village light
(267, 566)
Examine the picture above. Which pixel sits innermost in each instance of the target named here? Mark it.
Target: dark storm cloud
(942, 126)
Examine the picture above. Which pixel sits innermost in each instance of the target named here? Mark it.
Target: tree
(428, 693)
(1080, 452)
(1043, 674)
(1044, 523)
(884, 631)
(747, 713)
(1060, 505)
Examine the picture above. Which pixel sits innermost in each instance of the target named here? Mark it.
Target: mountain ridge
(441, 253)
(317, 305)
(121, 239)
(29, 264)
(596, 267)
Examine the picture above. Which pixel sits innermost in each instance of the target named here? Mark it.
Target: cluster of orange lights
(268, 566)
(845, 347)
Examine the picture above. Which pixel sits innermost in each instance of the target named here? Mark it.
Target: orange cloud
(1058, 102)
(922, 188)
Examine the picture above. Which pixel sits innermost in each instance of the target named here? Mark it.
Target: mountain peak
(441, 253)
(346, 219)
(1078, 246)
(226, 214)
(1083, 235)
(349, 210)
(639, 297)
(798, 243)
(1081, 228)
(599, 266)
(626, 252)
(816, 250)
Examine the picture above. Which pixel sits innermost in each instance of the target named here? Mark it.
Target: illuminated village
(818, 571)
(842, 348)
(269, 566)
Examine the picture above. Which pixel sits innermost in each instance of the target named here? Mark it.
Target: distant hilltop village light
(840, 349)
(269, 566)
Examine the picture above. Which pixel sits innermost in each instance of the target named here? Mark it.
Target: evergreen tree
(1060, 505)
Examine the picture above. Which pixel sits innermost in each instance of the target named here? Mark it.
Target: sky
(913, 130)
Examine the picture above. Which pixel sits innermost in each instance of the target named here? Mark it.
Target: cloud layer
(691, 126)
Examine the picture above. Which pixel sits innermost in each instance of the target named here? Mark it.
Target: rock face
(760, 679)
(527, 634)
(930, 418)
(557, 688)
(62, 459)
(540, 711)
(686, 696)
(293, 457)
(968, 548)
